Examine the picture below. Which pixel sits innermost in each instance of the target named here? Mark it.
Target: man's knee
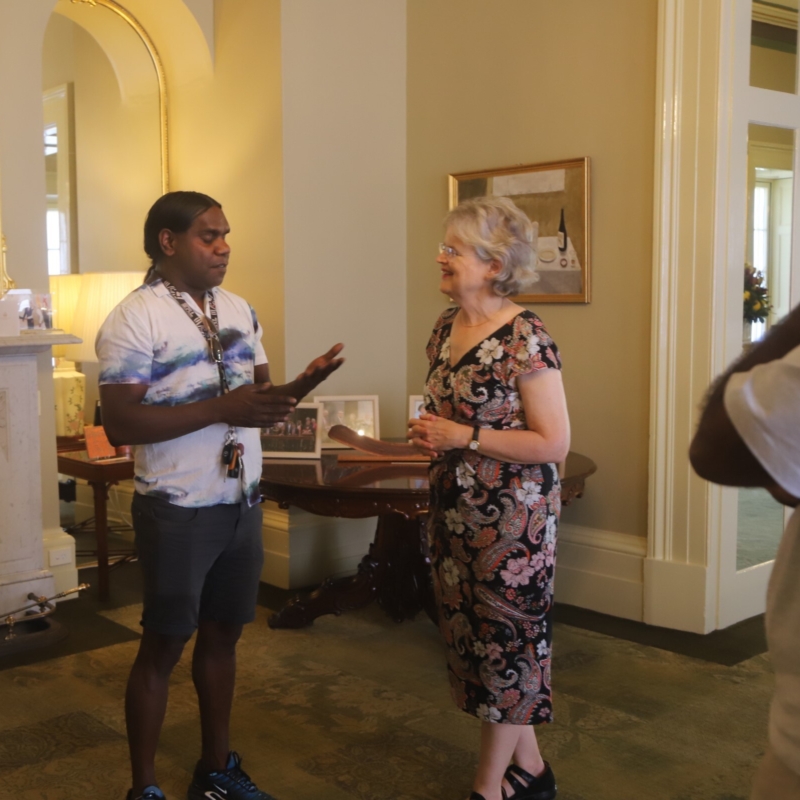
(218, 637)
(160, 652)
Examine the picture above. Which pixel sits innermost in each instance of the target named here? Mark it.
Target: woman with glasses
(495, 424)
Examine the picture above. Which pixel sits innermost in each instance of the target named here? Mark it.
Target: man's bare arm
(259, 405)
(717, 452)
(128, 421)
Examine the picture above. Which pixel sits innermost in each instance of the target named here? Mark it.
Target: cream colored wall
(116, 142)
(518, 82)
(58, 52)
(227, 142)
(344, 122)
(772, 69)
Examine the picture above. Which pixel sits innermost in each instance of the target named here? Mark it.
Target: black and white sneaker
(150, 793)
(231, 783)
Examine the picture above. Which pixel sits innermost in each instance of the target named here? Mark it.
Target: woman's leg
(526, 754)
(498, 744)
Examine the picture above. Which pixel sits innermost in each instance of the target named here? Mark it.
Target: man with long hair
(184, 378)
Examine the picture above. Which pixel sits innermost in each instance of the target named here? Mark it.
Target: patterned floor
(357, 707)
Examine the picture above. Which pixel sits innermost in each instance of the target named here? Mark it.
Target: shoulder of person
(446, 317)
(528, 323)
(241, 307)
(135, 305)
(224, 296)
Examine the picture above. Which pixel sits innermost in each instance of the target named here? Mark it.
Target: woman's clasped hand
(433, 435)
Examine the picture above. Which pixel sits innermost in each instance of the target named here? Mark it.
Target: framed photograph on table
(416, 405)
(300, 436)
(555, 196)
(357, 412)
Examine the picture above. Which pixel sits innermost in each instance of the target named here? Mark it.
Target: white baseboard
(601, 571)
(59, 558)
(678, 596)
(302, 549)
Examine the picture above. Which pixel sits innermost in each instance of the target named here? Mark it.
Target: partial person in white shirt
(749, 435)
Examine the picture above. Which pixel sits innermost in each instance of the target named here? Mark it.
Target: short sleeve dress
(492, 529)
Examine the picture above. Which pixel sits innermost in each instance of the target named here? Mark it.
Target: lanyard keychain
(232, 451)
(232, 454)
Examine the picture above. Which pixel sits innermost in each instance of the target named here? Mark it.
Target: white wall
(22, 202)
(344, 150)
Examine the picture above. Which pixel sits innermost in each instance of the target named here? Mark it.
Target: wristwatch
(474, 444)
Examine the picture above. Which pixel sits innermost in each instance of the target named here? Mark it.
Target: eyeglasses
(446, 250)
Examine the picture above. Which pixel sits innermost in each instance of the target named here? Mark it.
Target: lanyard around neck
(209, 328)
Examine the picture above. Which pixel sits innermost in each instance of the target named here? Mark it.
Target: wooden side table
(100, 475)
(396, 570)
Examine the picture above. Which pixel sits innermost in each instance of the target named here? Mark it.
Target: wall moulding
(686, 293)
(155, 57)
(772, 14)
(601, 570)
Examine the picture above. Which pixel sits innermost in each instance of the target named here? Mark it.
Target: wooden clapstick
(388, 450)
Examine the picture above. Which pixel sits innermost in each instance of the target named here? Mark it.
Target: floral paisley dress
(492, 529)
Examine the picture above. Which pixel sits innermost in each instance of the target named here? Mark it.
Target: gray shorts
(198, 564)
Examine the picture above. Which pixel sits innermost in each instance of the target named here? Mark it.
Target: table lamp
(99, 293)
(69, 384)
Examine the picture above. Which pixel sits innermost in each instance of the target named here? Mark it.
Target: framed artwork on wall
(555, 196)
(300, 436)
(357, 412)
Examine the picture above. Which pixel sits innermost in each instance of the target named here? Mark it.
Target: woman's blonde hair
(498, 231)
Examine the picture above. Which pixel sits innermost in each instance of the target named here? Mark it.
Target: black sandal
(477, 796)
(541, 788)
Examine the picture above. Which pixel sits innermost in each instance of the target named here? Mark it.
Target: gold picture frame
(555, 196)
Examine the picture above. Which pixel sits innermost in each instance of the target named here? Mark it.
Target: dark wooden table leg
(396, 572)
(405, 582)
(100, 491)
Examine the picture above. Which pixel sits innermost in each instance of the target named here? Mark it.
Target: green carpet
(358, 707)
(760, 528)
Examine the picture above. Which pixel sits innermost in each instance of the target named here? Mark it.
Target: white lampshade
(100, 292)
(64, 291)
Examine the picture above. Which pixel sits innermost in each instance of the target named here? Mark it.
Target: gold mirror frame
(5, 279)
(111, 5)
(6, 282)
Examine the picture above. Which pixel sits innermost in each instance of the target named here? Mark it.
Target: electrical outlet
(60, 556)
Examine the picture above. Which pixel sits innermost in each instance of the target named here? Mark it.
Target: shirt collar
(159, 290)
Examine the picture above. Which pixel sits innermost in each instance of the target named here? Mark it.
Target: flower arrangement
(756, 297)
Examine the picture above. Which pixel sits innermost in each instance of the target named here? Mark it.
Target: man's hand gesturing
(319, 369)
(252, 406)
